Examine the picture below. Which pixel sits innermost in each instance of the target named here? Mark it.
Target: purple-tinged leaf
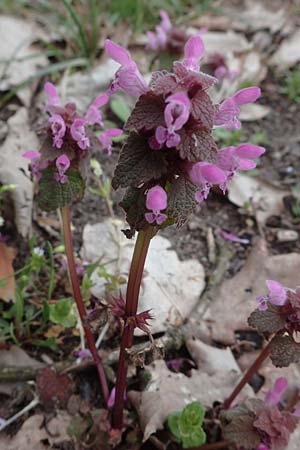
(181, 200)
(197, 144)
(147, 114)
(269, 321)
(202, 109)
(284, 351)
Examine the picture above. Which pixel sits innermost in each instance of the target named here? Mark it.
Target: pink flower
(193, 51)
(93, 115)
(232, 159)
(82, 354)
(229, 110)
(112, 398)
(58, 129)
(106, 138)
(158, 41)
(205, 175)
(273, 397)
(176, 114)
(53, 98)
(36, 165)
(262, 447)
(233, 237)
(79, 135)
(62, 165)
(128, 77)
(156, 201)
(277, 295)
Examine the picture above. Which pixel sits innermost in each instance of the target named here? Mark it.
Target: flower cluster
(68, 136)
(170, 160)
(261, 425)
(166, 36)
(218, 67)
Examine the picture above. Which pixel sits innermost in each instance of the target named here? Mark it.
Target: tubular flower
(277, 295)
(78, 133)
(229, 110)
(156, 201)
(106, 138)
(205, 175)
(62, 165)
(36, 164)
(128, 77)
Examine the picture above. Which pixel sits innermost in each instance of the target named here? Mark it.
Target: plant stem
(248, 375)
(132, 298)
(65, 213)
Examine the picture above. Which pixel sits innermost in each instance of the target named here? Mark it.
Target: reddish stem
(248, 375)
(132, 298)
(65, 213)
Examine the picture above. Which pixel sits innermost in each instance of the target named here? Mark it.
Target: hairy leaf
(138, 163)
(163, 82)
(269, 321)
(202, 109)
(197, 144)
(53, 195)
(133, 204)
(189, 79)
(148, 113)
(284, 351)
(181, 201)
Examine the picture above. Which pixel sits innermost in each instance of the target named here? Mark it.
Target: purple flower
(82, 354)
(262, 447)
(156, 201)
(36, 165)
(79, 135)
(112, 398)
(176, 114)
(93, 115)
(62, 165)
(205, 175)
(128, 77)
(273, 397)
(232, 159)
(277, 295)
(106, 138)
(157, 41)
(233, 237)
(229, 110)
(58, 129)
(53, 98)
(193, 51)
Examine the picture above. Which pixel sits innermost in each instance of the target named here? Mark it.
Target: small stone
(192, 226)
(287, 235)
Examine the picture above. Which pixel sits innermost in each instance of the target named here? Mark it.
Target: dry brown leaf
(254, 111)
(265, 198)
(33, 434)
(168, 391)
(14, 168)
(288, 53)
(7, 255)
(232, 42)
(16, 37)
(235, 299)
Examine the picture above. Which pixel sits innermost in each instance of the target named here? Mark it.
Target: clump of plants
(168, 165)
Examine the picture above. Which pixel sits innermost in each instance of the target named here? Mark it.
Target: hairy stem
(132, 298)
(65, 213)
(248, 375)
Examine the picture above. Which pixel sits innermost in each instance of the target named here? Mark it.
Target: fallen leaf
(266, 199)
(21, 60)
(54, 390)
(14, 168)
(168, 392)
(235, 299)
(8, 286)
(232, 42)
(288, 53)
(165, 276)
(254, 111)
(18, 359)
(34, 435)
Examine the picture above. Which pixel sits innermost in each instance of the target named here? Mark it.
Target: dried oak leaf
(147, 114)
(138, 163)
(181, 201)
(277, 425)
(197, 144)
(238, 427)
(269, 321)
(54, 390)
(284, 351)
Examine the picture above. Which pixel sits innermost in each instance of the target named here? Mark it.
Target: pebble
(287, 235)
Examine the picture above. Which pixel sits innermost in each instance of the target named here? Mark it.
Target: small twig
(101, 335)
(23, 411)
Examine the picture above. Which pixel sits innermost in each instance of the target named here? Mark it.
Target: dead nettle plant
(59, 168)
(169, 163)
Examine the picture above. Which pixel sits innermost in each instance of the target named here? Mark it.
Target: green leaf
(186, 426)
(61, 313)
(120, 108)
(53, 195)
(173, 420)
(195, 439)
(48, 343)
